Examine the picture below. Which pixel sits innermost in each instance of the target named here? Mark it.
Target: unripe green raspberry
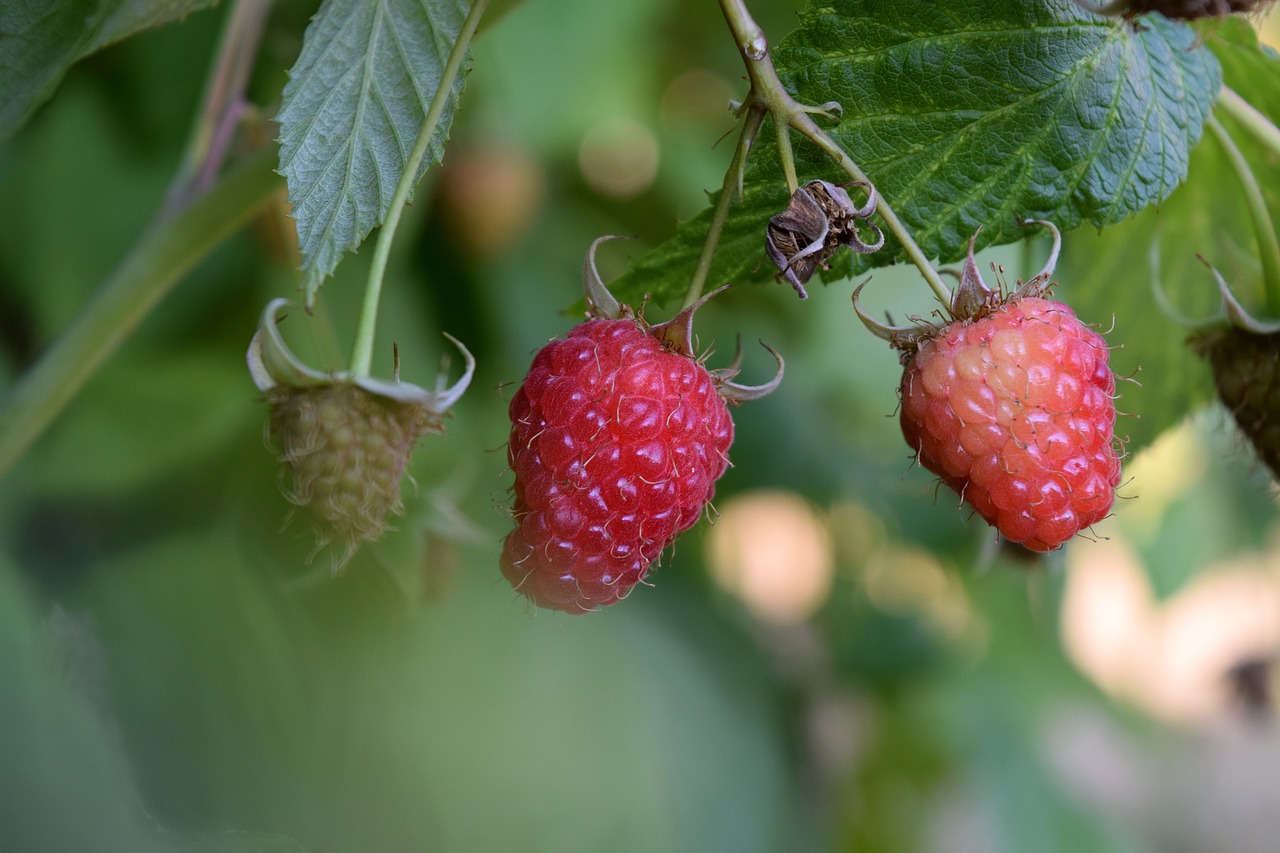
(346, 451)
(344, 440)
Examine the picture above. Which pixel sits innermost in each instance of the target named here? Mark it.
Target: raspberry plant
(143, 524)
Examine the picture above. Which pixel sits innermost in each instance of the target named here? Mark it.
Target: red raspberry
(617, 443)
(1015, 411)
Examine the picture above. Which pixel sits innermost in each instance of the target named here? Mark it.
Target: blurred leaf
(144, 417)
(1214, 517)
(352, 110)
(1027, 806)
(881, 650)
(65, 783)
(1253, 71)
(1141, 281)
(1249, 67)
(1045, 111)
(41, 40)
(333, 716)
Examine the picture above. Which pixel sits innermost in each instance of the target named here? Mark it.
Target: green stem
(366, 326)
(223, 103)
(166, 251)
(750, 127)
(1263, 129)
(1264, 229)
(767, 89)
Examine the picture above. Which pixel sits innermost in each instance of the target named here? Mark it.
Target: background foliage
(178, 677)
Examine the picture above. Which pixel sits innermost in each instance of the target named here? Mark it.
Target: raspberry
(345, 440)
(617, 443)
(346, 451)
(1016, 412)
(1012, 404)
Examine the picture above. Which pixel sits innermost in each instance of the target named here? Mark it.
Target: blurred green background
(840, 663)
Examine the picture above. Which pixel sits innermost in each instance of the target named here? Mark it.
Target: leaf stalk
(366, 327)
(732, 181)
(170, 247)
(1262, 128)
(1264, 229)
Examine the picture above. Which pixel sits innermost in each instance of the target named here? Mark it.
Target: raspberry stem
(224, 103)
(732, 180)
(1262, 128)
(1263, 227)
(366, 326)
(169, 248)
(768, 95)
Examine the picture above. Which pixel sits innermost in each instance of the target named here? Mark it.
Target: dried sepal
(677, 333)
(735, 392)
(1041, 282)
(972, 294)
(1236, 314)
(819, 219)
(600, 301)
(904, 338)
(972, 298)
(272, 363)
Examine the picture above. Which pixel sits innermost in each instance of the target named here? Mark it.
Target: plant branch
(166, 251)
(767, 90)
(1262, 128)
(223, 104)
(366, 327)
(732, 181)
(1264, 229)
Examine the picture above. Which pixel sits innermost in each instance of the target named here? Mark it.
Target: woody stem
(767, 89)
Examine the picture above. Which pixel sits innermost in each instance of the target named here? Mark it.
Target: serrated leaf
(351, 112)
(40, 40)
(1141, 279)
(968, 115)
(1145, 273)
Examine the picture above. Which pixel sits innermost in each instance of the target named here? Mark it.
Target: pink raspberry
(1015, 410)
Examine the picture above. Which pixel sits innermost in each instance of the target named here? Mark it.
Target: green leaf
(329, 715)
(1250, 68)
(40, 40)
(968, 115)
(352, 110)
(1142, 278)
(66, 780)
(1145, 274)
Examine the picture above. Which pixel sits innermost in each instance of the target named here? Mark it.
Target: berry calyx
(344, 441)
(819, 219)
(1012, 404)
(618, 437)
